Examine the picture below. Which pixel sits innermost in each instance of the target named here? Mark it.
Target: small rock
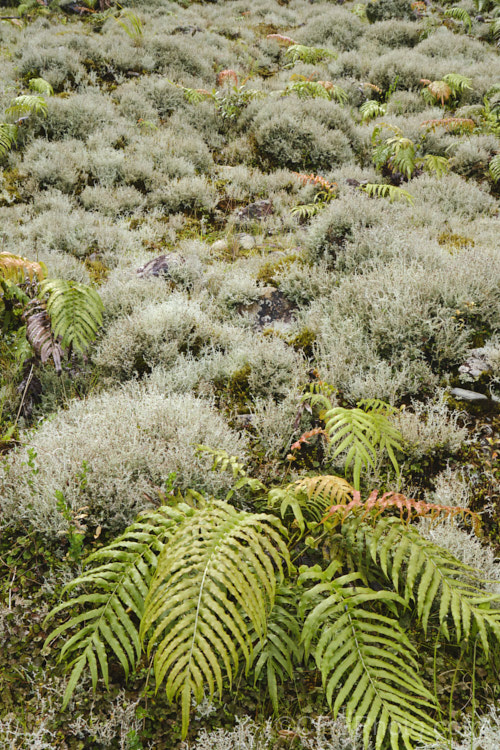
(476, 364)
(272, 307)
(255, 211)
(474, 398)
(160, 266)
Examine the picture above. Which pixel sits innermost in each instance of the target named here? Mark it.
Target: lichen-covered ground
(162, 133)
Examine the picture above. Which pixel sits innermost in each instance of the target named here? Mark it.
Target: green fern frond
(438, 165)
(75, 312)
(366, 660)
(458, 83)
(41, 86)
(309, 498)
(8, 137)
(459, 14)
(494, 168)
(441, 586)
(305, 211)
(306, 89)
(363, 436)
(276, 655)
(371, 109)
(119, 580)
(311, 55)
(387, 191)
(214, 583)
(27, 104)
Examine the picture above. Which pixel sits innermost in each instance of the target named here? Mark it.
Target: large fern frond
(214, 583)
(441, 585)
(119, 580)
(18, 269)
(75, 312)
(366, 660)
(309, 498)
(276, 655)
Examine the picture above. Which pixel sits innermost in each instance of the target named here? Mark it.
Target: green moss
(455, 241)
(268, 272)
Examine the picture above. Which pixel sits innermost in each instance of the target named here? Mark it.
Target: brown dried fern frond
(40, 335)
(408, 507)
(18, 269)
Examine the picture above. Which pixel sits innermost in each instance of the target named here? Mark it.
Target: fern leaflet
(494, 168)
(275, 656)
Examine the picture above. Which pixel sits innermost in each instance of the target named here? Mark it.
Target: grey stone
(255, 211)
(477, 364)
(271, 307)
(474, 398)
(160, 266)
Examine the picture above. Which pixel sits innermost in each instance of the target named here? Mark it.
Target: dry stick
(24, 395)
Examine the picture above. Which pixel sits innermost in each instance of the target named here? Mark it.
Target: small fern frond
(276, 655)
(366, 661)
(408, 508)
(387, 191)
(215, 582)
(41, 86)
(8, 137)
(75, 312)
(363, 436)
(439, 165)
(439, 91)
(371, 109)
(309, 498)
(494, 168)
(311, 55)
(305, 211)
(119, 580)
(458, 83)
(27, 104)
(18, 269)
(459, 14)
(441, 586)
(223, 461)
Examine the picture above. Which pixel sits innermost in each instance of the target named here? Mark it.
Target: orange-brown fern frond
(450, 124)
(284, 41)
(408, 508)
(315, 179)
(227, 76)
(305, 438)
